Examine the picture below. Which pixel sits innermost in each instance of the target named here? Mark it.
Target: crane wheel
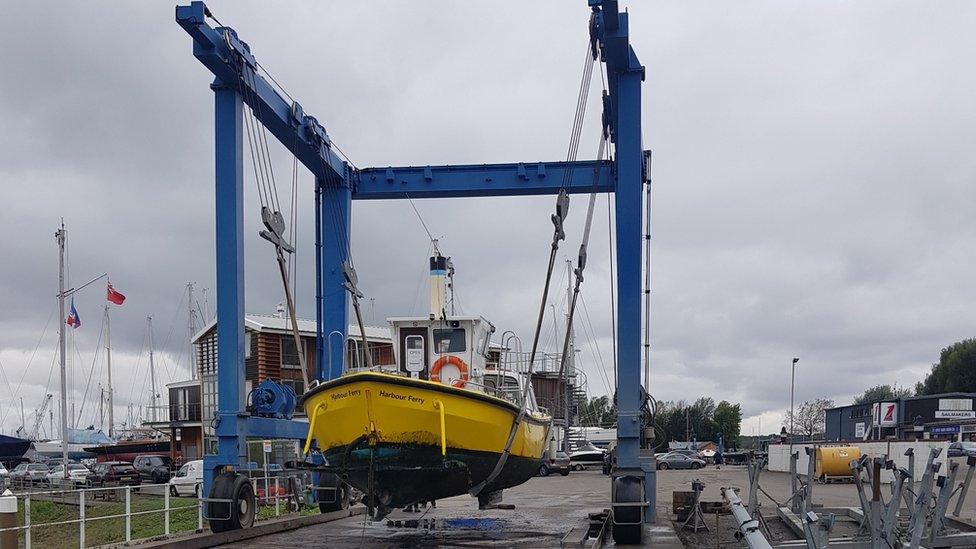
(628, 521)
(239, 512)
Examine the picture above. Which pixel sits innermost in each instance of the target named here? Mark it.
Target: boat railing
(93, 506)
(382, 368)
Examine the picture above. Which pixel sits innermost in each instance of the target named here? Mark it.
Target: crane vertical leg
(334, 215)
(628, 255)
(231, 444)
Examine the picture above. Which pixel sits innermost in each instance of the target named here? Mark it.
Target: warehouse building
(944, 416)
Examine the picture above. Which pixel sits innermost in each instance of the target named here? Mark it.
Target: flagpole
(108, 364)
(60, 236)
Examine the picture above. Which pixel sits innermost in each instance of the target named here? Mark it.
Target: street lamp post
(792, 386)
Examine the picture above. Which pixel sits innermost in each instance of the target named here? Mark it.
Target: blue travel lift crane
(337, 184)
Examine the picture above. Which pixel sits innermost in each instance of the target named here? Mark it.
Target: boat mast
(438, 272)
(191, 327)
(108, 366)
(152, 372)
(60, 236)
(571, 359)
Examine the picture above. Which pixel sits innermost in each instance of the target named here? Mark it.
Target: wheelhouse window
(289, 353)
(450, 340)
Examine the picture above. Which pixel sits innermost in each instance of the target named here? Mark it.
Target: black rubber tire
(196, 491)
(628, 490)
(173, 492)
(663, 466)
(564, 473)
(329, 480)
(242, 509)
(543, 470)
(696, 465)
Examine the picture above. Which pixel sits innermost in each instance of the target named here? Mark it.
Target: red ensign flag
(115, 297)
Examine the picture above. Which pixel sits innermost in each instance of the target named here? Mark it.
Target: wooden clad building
(270, 353)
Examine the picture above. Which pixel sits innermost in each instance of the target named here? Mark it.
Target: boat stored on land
(586, 455)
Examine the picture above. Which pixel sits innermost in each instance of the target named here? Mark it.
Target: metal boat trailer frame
(928, 524)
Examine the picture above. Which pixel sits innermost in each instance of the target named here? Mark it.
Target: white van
(188, 481)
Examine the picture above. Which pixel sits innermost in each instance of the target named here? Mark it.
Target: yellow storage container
(835, 461)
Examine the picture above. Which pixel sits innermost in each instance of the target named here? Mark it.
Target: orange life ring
(435, 370)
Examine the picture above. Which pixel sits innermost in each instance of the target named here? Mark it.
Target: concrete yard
(547, 508)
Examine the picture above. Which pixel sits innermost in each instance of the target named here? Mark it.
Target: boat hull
(392, 426)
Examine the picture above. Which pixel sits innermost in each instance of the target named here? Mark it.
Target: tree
(598, 412)
(956, 370)
(881, 393)
(728, 421)
(809, 418)
(701, 421)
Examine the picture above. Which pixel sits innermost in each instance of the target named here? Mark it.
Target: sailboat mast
(152, 371)
(571, 359)
(108, 366)
(60, 236)
(191, 327)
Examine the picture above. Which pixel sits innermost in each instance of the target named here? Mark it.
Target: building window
(247, 344)
(289, 353)
(450, 340)
(296, 385)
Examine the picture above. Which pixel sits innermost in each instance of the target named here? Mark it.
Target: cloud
(813, 179)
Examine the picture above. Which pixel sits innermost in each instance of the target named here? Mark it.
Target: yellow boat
(442, 421)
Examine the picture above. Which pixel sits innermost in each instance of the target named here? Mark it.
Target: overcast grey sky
(813, 178)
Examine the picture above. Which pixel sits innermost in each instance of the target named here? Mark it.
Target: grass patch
(107, 530)
(112, 530)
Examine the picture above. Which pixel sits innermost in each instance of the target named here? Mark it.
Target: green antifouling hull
(404, 474)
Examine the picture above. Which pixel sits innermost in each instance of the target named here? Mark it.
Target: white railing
(84, 497)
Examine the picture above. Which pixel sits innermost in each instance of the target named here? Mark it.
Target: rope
(558, 218)
(594, 343)
(581, 258)
(420, 217)
(98, 347)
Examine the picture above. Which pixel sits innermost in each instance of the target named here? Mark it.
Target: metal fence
(268, 491)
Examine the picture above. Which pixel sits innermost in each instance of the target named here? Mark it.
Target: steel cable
(562, 206)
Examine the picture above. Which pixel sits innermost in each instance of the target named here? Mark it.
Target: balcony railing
(177, 412)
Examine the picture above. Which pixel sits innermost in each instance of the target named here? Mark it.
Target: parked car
(962, 449)
(559, 464)
(678, 460)
(77, 475)
(26, 474)
(690, 453)
(188, 480)
(114, 473)
(153, 469)
(4, 473)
